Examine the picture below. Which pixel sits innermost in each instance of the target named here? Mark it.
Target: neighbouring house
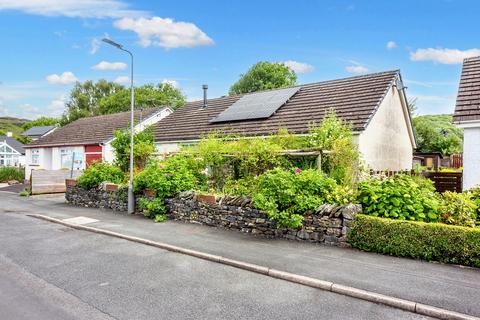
(430, 160)
(36, 133)
(85, 140)
(12, 152)
(467, 116)
(375, 104)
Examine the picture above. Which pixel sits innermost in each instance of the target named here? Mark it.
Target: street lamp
(131, 200)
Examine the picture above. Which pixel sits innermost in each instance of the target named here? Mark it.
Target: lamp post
(131, 200)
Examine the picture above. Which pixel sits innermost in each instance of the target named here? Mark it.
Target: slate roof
(467, 107)
(90, 130)
(37, 131)
(354, 99)
(18, 146)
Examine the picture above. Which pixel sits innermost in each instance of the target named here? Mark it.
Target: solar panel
(256, 105)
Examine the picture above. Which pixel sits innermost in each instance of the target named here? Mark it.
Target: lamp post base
(131, 200)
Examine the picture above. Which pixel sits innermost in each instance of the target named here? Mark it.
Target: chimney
(205, 88)
(9, 134)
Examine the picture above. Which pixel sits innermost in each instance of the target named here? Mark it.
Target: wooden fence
(50, 181)
(457, 160)
(443, 181)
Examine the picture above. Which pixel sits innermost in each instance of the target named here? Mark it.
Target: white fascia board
(468, 124)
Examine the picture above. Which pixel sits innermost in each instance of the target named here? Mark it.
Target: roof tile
(354, 99)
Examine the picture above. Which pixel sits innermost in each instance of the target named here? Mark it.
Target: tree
(85, 98)
(264, 76)
(146, 96)
(437, 133)
(143, 148)
(42, 121)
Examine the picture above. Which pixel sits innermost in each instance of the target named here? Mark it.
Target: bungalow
(85, 140)
(36, 133)
(467, 116)
(375, 104)
(12, 152)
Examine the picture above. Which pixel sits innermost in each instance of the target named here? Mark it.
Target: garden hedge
(418, 240)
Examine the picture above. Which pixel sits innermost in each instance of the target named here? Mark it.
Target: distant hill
(11, 124)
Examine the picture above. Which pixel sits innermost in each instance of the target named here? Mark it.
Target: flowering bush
(176, 174)
(100, 172)
(458, 209)
(285, 195)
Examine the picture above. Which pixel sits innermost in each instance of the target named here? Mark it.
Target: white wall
(386, 142)
(471, 157)
(49, 158)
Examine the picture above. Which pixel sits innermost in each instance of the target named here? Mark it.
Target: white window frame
(35, 157)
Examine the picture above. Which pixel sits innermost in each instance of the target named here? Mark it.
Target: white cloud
(94, 45)
(73, 8)
(165, 33)
(357, 69)
(122, 79)
(173, 83)
(299, 67)
(391, 45)
(434, 104)
(65, 78)
(443, 55)
(105, 65)
(57, 106)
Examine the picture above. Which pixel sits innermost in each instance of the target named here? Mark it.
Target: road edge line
(398, 303)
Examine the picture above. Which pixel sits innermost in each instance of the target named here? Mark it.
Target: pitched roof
(38, 131)
(354, 99)
(18, 146)
(467, 107)
(91, 130)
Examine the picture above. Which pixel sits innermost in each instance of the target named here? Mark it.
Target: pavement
(446, 286)
(14, 188)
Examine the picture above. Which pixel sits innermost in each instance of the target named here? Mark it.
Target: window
(35, 156)
(8, 156)
(66, 158)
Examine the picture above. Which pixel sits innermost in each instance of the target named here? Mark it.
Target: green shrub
(98, 173)
(285, 195)
(143, 148)
(12, 173)
(418, 240)
(336, 135)
(400, 197)
(152, 208)
(475, 193)
(24, 193)
(458, 209)
(166, 178)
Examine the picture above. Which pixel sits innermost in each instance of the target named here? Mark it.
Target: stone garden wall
(108, 196)
(328, 224)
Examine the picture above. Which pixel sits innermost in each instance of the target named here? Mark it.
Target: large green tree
(104, 97)
(437, 133)
(146, 96)
(85, 98)
(264, 76)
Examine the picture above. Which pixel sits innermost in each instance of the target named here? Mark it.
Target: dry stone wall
(328, 224)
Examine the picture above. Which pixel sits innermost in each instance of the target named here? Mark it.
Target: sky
(48, 45)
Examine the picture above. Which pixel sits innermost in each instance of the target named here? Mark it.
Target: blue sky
(48, 45)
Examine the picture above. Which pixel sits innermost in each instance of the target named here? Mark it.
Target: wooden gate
(446, 181)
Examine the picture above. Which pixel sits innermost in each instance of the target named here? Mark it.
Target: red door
(93, 153)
